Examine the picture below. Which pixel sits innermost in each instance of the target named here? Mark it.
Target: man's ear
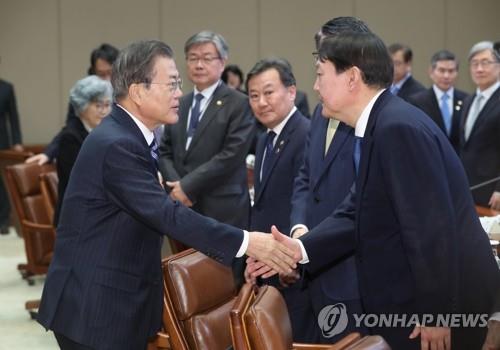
(135, 92)
(355, 77)
(293, 92)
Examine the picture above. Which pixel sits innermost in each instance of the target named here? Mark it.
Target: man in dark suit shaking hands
(104, 285)
(410, 219)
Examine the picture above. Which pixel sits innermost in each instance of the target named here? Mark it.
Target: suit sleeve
(166, 161)
(70, 147)
(14, 118)
(412, 164)
(240, 131)
(131, 186)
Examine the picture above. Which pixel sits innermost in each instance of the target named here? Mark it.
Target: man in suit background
(323, 181)
(480, 126)
(104, 285)
(410, 219)
(279, 155)
(10, 137)
(442, 102)
(403, 84)
(202, 157)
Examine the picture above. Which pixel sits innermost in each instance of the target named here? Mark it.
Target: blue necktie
(269, 153)
(445, 112)
(357, 152)
(153, 149)
(195, 115)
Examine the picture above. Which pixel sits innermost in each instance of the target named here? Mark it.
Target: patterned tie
(153, 149)
(266, 164)
(445, 112)
(195, 115)
(330, 132)
(357, 152)
(473, 113)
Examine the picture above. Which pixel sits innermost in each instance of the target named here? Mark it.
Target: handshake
(271, 254)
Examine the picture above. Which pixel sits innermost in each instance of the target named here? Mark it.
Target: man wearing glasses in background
(480, 126)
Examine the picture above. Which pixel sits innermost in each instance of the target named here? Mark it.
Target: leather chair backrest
(267, 321)
(48, 187)
(199, 294)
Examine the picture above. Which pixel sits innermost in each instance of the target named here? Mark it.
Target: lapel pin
(459, 102)
(457, 108)
(219, 103)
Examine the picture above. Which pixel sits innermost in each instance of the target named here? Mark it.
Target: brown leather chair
(198, 295)
(260, 321)
(23, 185)
(48, 187)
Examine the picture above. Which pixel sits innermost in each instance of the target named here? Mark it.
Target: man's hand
(18, 147)
(286, 280)
(290, 243)
(494, 202)
(178, 194)
(268, 251)
(492, 341)
(40, 159)
(298, 232)
(432, 338)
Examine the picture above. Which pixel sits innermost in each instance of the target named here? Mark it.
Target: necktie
(445, 112)
(357, 152)
(394, 90)
(473, 113)
(195, 115)
(153, 149)
(269, 153)
(330, 132)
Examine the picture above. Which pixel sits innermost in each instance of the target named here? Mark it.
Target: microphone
(482, 184)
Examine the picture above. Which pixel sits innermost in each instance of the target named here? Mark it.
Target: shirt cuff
(298, 226)
(495, 317)
(244, 244)
(305, 258)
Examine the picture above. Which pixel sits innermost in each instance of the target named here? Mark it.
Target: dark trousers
(68, 344)
(4, 205)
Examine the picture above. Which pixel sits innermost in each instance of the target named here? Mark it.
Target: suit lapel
(259, 155)
(434, 106)
(492, 102)
(184, 108)
(216, 103)
(280, 145)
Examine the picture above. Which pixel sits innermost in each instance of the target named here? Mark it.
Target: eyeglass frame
(205, 60)
(172, 86)
(482, 63)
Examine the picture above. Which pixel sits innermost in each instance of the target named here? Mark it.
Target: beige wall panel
(419, 24)
(236, 20)
(30, 60)
(87, 24)
(469, 22)
(288, 28)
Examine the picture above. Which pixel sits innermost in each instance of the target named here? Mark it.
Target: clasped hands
(271, 254)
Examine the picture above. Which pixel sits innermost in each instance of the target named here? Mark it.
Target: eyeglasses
(482, 63)
(206, 60)
(316, 56)
(172, 86)
(102, 106)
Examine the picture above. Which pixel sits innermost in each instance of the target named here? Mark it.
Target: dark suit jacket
(52, 149)
(104, 285)
(427, 101)
(70, 142)
(480, 154)
(412, 224)
(212, 171)
(273, 194)
(410, 87)
(10, 132)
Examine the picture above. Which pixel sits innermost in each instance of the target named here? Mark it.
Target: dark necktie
(357, 152)
(445, 112)
(195, 115)
(266, 164)
(153, 149)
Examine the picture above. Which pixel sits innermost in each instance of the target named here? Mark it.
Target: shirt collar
(362, 122)
(208, 92)
(489, 91)
(439, 93)
(86, 126)
(279, 128)
(148, 134)
(402, 81)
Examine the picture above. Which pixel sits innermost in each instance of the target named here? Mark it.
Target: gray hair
(135, 64)
(207, 36)
(88, 90)
(483, 46)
